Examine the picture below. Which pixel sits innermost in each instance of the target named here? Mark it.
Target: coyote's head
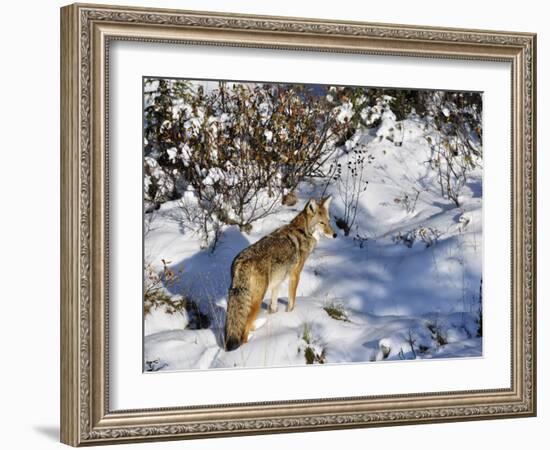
(319, 218)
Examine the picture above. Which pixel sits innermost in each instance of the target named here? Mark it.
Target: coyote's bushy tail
(238, 308)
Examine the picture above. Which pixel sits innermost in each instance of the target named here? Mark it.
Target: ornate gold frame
(86, 31)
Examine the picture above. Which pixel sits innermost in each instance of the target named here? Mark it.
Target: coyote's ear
(311, 206)
(326, 202)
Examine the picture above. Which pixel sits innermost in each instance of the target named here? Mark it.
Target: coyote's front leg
(294, 279)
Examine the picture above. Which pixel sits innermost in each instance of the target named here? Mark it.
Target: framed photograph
(280, 224)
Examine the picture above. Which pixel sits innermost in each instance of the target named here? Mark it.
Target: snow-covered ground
(410, 288)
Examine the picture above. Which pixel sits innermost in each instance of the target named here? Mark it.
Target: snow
(185, 154)
(264, 110)
(172, 153)
(409, 272)
(344, 112)
(159, 319)
(215, 174)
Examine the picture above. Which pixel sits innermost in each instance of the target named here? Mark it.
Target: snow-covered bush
(336, 310)
(381, 116)
(314, 351)
(162, 101)
(454, 134)
(237, 149)
(198, 218)
(158, 184)
(233, 152)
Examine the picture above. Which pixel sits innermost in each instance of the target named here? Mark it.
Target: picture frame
(87, 32)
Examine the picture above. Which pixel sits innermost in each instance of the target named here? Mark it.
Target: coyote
(267, 263)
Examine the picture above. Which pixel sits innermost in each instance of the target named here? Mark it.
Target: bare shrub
(455, 138)
(155, 285)
(156, 295)
(408, 201)
(428, 235)
(351, 184)
(437, 331)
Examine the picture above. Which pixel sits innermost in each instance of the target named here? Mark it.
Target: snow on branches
(237, 149)
(232, 153)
